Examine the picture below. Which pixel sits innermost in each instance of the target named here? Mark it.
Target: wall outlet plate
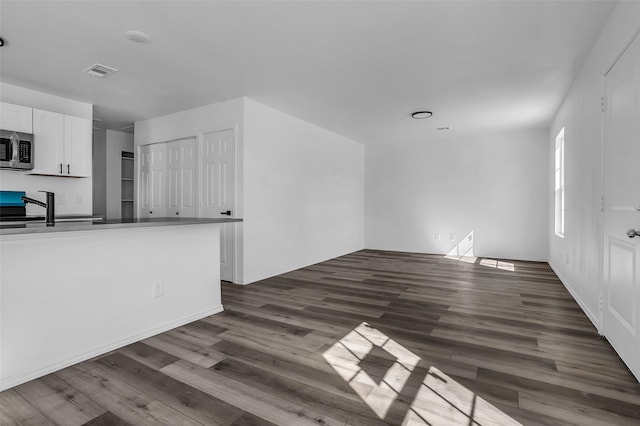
(157, 289)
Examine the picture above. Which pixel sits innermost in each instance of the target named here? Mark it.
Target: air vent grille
(100, 71)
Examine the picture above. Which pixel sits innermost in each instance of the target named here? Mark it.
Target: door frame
(603, 236)
(603, 138)
(236, 269)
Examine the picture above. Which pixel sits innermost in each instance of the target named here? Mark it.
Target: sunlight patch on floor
(439, 398)
(463, 251)
(498, 264)
(346, 355)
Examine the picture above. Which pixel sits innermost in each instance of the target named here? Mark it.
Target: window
(559, 186)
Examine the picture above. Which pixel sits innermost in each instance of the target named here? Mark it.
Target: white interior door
(218, 190)
(188, 181)
(621, 313)
(181, 184)
(144, 199)
(157, 180)
(173, 178)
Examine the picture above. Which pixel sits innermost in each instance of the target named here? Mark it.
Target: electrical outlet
(157, 288)
(452, 237)
(436, 236)
(567, 259)
(59, 199)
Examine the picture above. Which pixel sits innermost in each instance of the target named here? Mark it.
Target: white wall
(492, 184)
(116, 142)
(581, 115)
(34, 99)
(300, 188)
(303, 193)
(220, 116)
(73, 195)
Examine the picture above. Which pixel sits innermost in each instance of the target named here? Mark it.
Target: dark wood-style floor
(370, 338)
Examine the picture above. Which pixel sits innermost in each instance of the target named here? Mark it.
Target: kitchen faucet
(50, 205)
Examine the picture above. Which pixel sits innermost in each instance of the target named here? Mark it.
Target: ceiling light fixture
(419, 115)
(137, 36)
(444, 128)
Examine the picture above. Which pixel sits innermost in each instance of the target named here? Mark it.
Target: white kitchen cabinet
(62, 144)
(48, 135)
(153, 177)
(77, 146)
(16, 117)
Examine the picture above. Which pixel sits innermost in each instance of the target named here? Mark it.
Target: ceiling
(356, 68)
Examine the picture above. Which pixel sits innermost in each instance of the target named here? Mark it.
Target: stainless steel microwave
(16, 150)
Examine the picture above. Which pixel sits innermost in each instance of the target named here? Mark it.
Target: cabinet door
(48, 136)
(77, 146)
(16, 117)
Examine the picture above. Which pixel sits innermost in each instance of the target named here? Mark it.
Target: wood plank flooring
(371, 338)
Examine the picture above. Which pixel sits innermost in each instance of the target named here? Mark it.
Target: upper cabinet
(16, 118)
(48, 135)
(62, 144)
(77, 146)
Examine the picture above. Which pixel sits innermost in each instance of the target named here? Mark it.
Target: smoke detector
(100, 71)
(137, 36)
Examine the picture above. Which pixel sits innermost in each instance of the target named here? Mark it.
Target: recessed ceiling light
(137, 36)
(419, 115)
(444, 128)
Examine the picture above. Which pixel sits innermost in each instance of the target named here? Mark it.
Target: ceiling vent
(100, 71)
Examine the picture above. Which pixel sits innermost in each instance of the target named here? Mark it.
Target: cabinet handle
(177, 213)
(150, 212)
(68, 169)
(60, 168)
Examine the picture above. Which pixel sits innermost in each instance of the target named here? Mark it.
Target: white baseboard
(566, 283)
(18, 379)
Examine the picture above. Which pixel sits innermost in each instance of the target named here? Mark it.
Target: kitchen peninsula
(79, 289)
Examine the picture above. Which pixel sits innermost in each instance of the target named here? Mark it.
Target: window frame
(559, 184)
